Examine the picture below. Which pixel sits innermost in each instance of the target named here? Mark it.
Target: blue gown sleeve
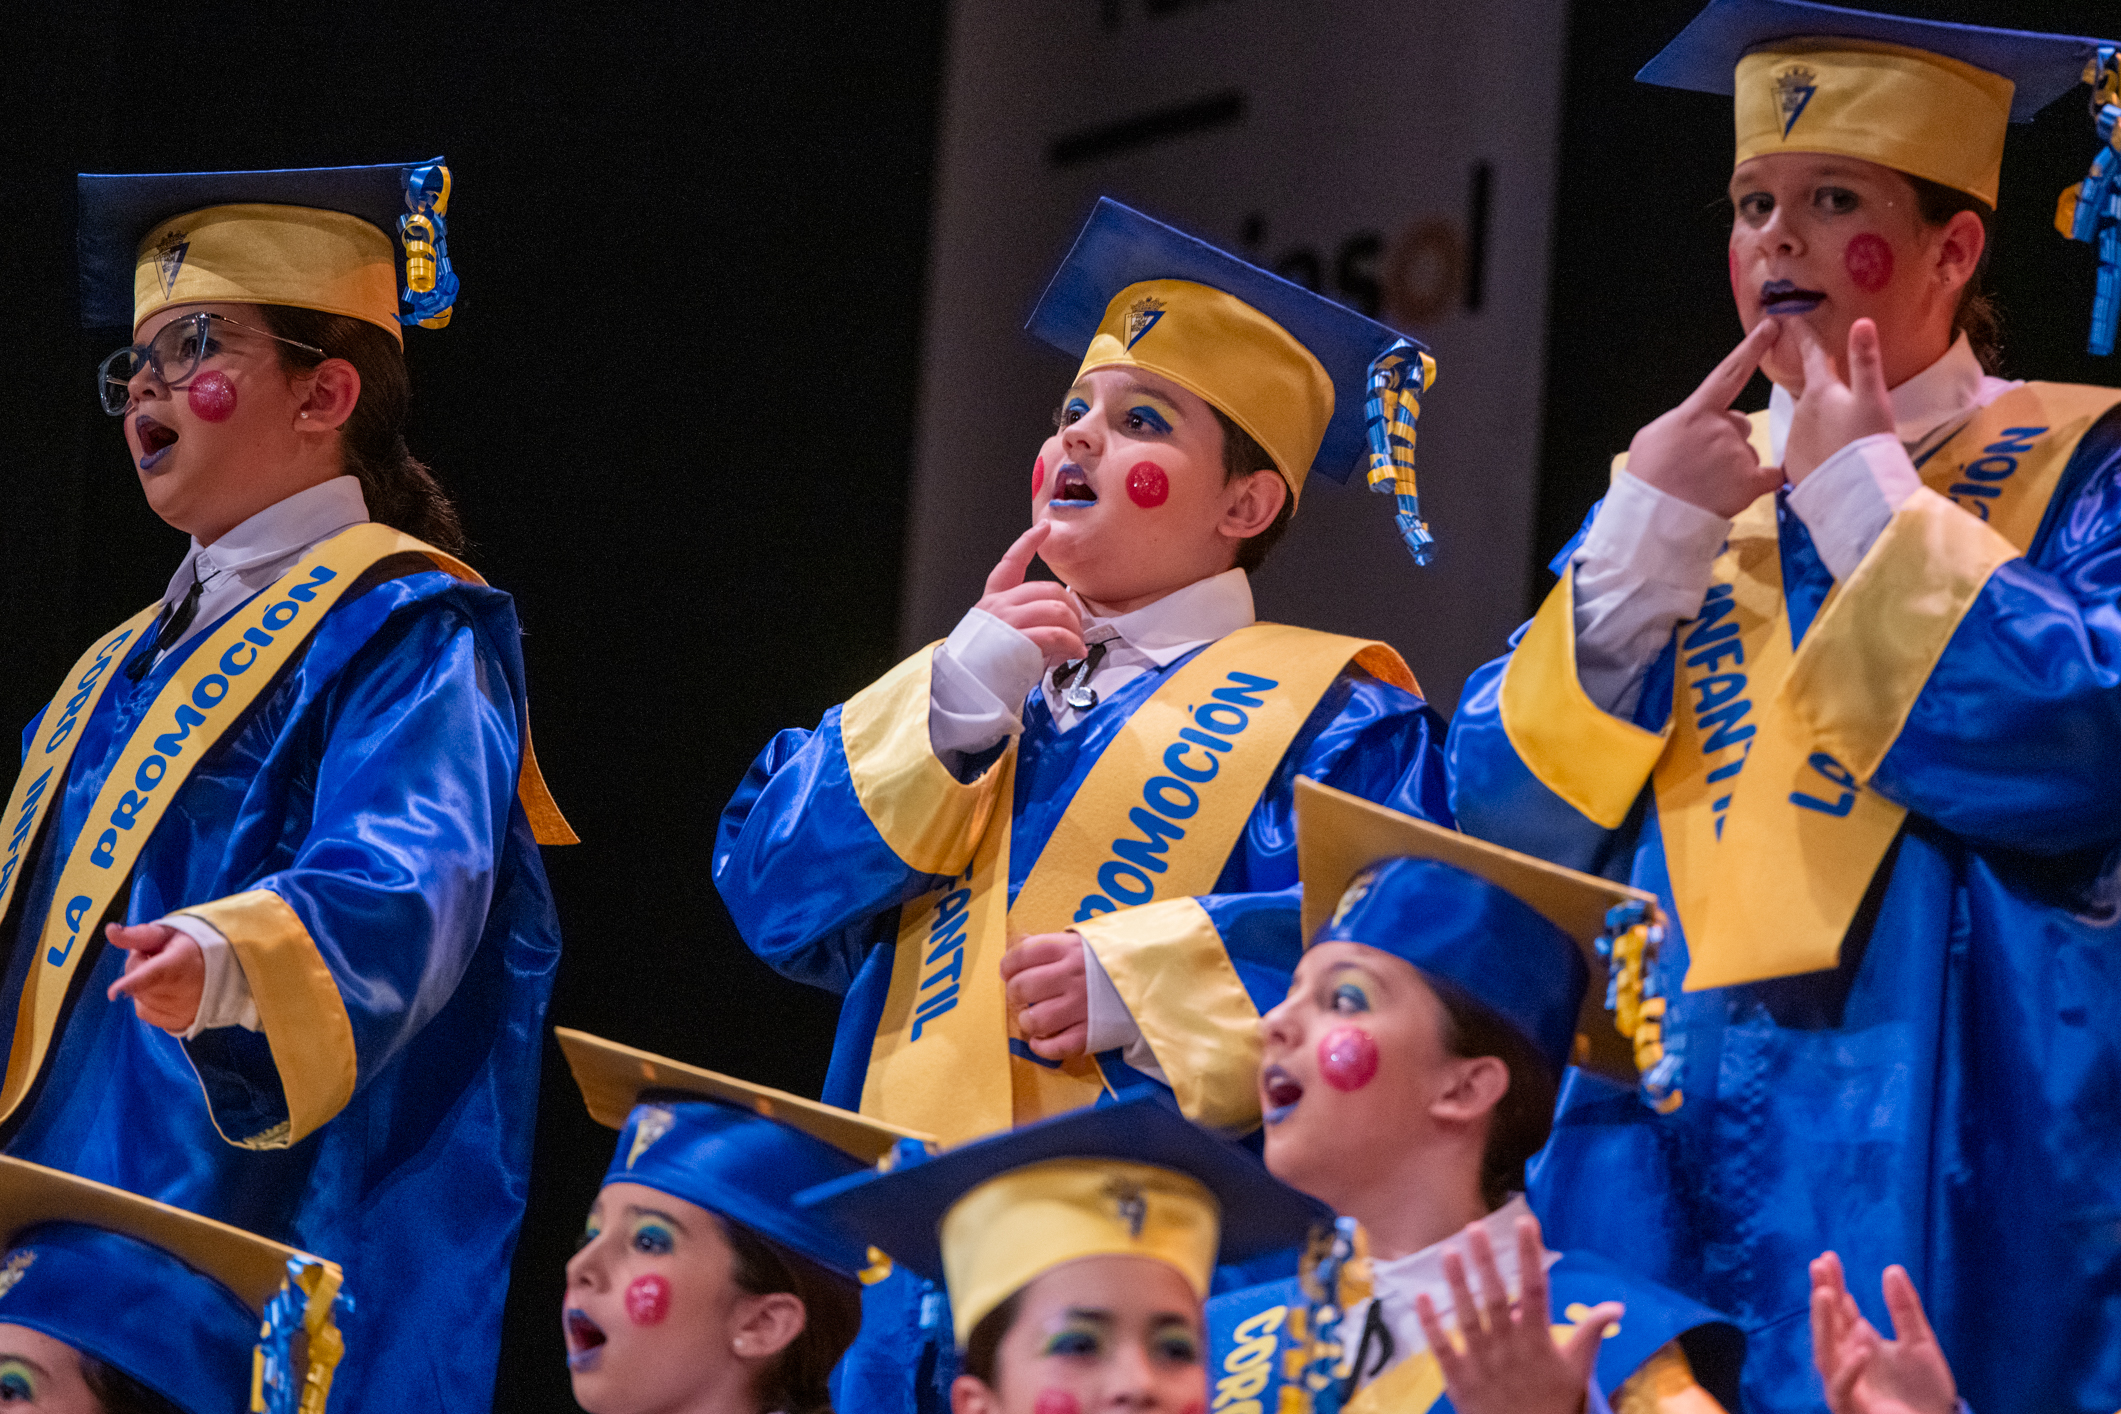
(805, 875)
(355, 945)
(2013, 737)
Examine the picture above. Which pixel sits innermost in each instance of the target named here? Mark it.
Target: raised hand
(1832, 413)
(1865, 1373)
(1048, 987)
(1700, 451)
(1504, 1359)
(165, 974)
(1038, 609)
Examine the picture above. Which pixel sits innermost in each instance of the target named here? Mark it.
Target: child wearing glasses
(282, 939)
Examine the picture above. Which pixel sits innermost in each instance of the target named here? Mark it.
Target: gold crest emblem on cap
(1141, 318)
(169, 258)
(16, 1268)
(655, 1123)
(1794, 88)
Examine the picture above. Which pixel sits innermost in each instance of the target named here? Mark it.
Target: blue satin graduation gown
(1949, 1097)
(373, 788)
(816, 894)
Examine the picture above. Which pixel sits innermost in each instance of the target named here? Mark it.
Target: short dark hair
(1977, 316)
(1242, 456)
(1521, 1120)
(795, 1383)
(983, 1347)
(120, 1393)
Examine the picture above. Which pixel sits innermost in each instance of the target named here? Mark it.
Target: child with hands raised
(1835, 681)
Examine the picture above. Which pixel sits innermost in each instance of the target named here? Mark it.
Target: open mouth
(1281, 1091)
(1784, 297)
(585, 1341)
(155, 439)
(1071, 488)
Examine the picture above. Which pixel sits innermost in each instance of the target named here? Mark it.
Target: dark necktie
(170, 627)
(1375, 1335)
(1082, 697)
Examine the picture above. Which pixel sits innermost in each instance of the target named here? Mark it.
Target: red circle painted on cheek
(1347, 1058)
(1056, 1401)
(1198, 1406)
(1147, 486)
(648, 1301)
(1038, 476)
(1869, 261)
(213, 397)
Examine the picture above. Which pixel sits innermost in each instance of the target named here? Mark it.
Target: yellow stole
(1770, 841)
(1155, 818)
(206, 695)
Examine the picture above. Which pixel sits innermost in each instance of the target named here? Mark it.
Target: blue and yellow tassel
(430, 292)
(1630, 943)
(1399, 377)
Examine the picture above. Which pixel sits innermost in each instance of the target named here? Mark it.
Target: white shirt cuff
(1112, 1026)
(982, 673)
(1848, 500)
(225, 1000)
(1643, 569)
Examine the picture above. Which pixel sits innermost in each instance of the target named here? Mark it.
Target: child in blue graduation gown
(1856, 732)
(1409, 1075)
(1093, 776)
(118, 1304)
(1076, 1251)
(299, 789)
(699, 1284)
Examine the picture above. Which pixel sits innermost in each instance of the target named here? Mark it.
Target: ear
(1959, 250)
(771, 1325)
(332, 388)
(970, 1395)
(1476, 1087)
(1258, 500)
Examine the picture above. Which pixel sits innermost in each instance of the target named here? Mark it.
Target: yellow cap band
(1222, 349)
(1913, 111)
(1011, 1230)
(254, 254)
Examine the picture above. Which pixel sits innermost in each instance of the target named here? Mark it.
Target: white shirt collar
(1202, 612)
(1398, 1281)
(1949, 388)
(286, 527)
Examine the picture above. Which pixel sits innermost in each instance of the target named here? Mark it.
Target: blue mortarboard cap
(174, 1300)
(1316, 384)
(736, 1149)
(403, 201)
(1517, 934)
(903, 1211)
(1705, 55)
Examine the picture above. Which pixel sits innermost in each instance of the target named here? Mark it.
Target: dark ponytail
(401, 492)
(1977, 316)
(795, 1383)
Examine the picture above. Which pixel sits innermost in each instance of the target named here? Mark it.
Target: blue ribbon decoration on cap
(2090, 210)
(1398, 378)
(279, 1388)
(430, 292)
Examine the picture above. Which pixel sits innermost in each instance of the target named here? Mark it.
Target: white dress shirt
(985, 670)
(230, 570)
(1396, 1282)
(1644, 568)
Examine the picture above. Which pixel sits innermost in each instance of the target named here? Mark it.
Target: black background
(676, 403)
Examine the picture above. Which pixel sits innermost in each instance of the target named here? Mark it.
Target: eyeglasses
(175, 353)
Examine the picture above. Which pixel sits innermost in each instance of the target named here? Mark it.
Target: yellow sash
(1155, 818)
(206, 695)
(1771, 842)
